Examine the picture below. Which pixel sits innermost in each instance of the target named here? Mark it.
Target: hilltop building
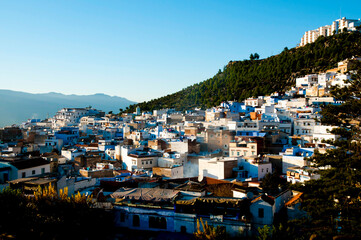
(337, 26)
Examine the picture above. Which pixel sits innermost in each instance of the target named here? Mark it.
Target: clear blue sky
(145, 49)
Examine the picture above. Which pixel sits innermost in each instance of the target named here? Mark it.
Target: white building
(218, 167)
(295, 157)
(307, 81)
(254, 102)
(31, 167)
(304, 126)
(71, 116)
(264, 207)
(337, 26)
(323, 133)
(252, 167)
(301, 175)
(170, 159)
(141, 158)
(340, 80)
(70, 154)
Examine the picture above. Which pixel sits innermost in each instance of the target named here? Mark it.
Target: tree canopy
(334, 201)
(242, 79)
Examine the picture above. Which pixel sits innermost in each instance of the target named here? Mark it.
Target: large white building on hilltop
(336, 27)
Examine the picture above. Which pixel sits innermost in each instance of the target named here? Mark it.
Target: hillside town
(164, 170)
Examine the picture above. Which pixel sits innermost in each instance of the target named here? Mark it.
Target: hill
(17, 107)
(242, 79)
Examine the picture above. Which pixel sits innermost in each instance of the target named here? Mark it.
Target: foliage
(279, 231)
(48, 214)
(272, 182)
(242, 79)
(264, 232)
(334, 201)
(254, 56)
(209, 232)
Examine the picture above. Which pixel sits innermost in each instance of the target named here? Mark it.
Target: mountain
(242, 79)
(17, 107)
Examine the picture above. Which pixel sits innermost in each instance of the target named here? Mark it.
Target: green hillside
(247, 78)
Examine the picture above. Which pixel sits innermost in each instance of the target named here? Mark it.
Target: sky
(143, 50)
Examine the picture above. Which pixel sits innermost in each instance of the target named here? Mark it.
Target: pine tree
(334, 201)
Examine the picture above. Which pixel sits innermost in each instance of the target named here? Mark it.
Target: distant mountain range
(17, 107)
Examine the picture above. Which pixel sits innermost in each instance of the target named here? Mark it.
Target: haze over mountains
(16, 107)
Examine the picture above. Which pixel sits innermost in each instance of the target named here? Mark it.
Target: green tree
(264, 232)
(208, 232)
(251, 57)
(334, 201)
(272, 182)
(239, 79)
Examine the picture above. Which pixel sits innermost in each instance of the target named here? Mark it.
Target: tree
(334, 201)
(49, 215)
(239, 78)
(272, 182)
(264, 233)
(251, 57)
(256, 56)
(209, 232)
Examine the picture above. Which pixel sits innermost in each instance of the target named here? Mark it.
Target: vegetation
(208, 232)
(242, 79)
(272, 182)
(334, 201)
(48, 215)
(278, 231)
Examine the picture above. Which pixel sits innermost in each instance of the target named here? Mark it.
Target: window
(151, 162)
(260, 212)
(6, 177)
(33, 172)
(136, 221)
(122, 217)
(42, 170)
(158, 222)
